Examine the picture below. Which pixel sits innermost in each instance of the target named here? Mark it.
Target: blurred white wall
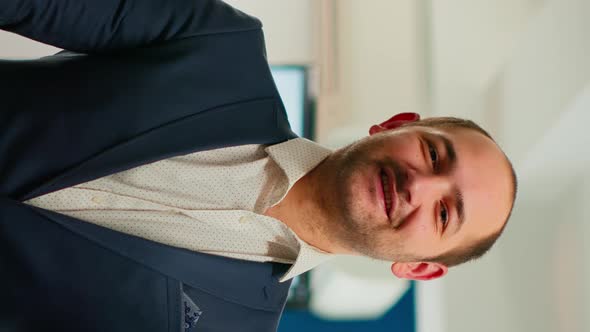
(380, 68)
(288, 28)
(471, 40)
(547, 70)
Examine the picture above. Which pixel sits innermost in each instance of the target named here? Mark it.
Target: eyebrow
(459, 205)
(458, 195)
(450, 151)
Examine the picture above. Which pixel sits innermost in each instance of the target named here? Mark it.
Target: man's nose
(425, 187)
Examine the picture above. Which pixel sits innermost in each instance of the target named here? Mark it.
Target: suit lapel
(253, 122)
(258, 285)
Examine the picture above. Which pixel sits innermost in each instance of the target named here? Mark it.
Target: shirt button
(97, 199)
(244, 219)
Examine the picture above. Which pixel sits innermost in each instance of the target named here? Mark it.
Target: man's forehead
(482, 175)
(481, 172)
(484, 178)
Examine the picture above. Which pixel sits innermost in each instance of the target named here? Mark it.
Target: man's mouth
(388, 191)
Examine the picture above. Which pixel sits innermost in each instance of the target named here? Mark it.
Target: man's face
(417, 192)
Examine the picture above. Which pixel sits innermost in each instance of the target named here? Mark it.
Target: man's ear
(419, 271)
(394, 122)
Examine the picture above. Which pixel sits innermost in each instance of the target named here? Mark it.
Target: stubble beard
(357, 227)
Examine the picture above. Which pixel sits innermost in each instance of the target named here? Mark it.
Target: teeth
(386, 192)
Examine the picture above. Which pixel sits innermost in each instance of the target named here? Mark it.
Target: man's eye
(444, 214)
(433, 156)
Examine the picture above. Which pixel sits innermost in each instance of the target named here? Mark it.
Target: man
(432, 194)
(150, 180)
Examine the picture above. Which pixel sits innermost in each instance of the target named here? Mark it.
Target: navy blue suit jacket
(147, 80)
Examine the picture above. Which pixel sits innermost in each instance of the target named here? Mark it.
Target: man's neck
(302, 212)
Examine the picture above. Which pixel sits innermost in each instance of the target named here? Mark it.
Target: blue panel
(401, 318)
(291, 84)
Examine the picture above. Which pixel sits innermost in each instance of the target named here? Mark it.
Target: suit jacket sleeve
(91, 26)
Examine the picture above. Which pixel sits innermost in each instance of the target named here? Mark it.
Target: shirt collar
(308, 258)
(296, 158)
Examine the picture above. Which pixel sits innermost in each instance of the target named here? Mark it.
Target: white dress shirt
(210, 201)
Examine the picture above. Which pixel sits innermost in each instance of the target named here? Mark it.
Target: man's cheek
(416, 225)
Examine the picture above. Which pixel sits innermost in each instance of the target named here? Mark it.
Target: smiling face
(445, 188)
